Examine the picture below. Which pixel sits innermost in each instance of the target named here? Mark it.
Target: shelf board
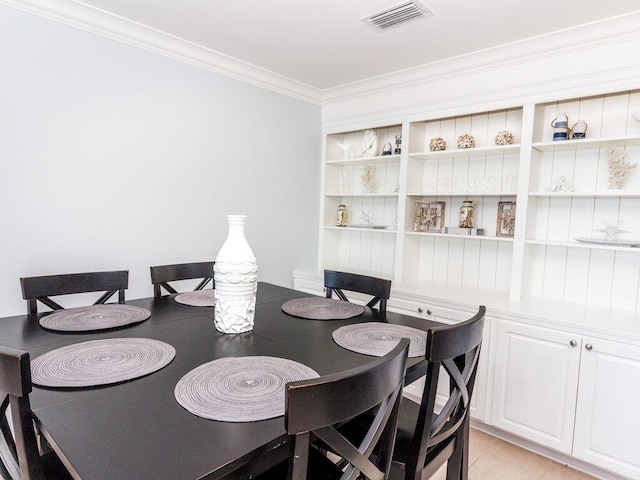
(360, 161)
(362, 195)
(469, 237)
(463, 194)
(360, 229)
(603, 194)
(591, 246)
(467, 152)
(586, 143)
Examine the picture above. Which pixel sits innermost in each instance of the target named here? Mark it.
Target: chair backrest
(163, 274)
(455, 348)
(317, 406)
(39, 289)
(19, 451)
(379, 288)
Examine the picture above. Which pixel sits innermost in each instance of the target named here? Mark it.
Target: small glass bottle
(466, 214)
(341, 215)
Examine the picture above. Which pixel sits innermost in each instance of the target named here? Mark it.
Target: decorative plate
(602, 241)
(368, 225)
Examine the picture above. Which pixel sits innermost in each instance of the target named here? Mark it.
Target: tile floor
(493, 459)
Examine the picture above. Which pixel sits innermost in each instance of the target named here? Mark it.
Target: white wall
(116, 158)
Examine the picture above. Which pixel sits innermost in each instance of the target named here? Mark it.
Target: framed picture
(428, 217)
(506, 219)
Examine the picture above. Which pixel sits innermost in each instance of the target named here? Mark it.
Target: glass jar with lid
(341, 215)
(466, 214)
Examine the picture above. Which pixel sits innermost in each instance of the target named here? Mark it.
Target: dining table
(136, 429)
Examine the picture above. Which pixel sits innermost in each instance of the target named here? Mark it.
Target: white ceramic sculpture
(236, 275)
(370, 143)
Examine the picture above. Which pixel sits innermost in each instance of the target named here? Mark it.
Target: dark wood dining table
(137, 430)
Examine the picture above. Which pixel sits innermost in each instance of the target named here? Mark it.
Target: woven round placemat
(94, 317)
(199, 298)
(321, 308)
(378, 339)
(239, 389)
(100, 362)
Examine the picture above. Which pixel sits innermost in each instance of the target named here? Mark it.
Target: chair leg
(458, 464)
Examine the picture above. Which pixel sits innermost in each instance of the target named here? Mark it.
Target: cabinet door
(536, 380)
(607, 416)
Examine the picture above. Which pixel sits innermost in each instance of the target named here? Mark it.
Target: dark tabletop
(137, 430)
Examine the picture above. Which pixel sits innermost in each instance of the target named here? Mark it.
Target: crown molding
(572, 40)
(123, 30)
(99, 22)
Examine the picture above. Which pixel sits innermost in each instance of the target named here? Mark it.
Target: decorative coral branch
(618, 168)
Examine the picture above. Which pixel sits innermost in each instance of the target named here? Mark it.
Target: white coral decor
(618, 168)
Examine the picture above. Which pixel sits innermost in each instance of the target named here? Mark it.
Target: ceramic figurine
(370, 143)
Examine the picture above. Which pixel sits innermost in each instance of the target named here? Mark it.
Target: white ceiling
(323, 44)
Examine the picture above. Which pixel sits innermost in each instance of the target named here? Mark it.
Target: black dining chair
(313, 409)
(379, 288)
(39, 289)
(19, 451)
(427, 439)
(163, 274)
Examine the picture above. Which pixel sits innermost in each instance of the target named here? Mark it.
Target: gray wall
(117, 158)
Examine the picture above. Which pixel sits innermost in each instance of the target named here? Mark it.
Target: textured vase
(235, 274)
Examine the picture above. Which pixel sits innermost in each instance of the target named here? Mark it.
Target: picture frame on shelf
(506, 219)
(429, 216)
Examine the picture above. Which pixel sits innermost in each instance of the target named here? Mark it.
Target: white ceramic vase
(235, 274)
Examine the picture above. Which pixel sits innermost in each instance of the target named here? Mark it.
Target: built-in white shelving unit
(560, 191)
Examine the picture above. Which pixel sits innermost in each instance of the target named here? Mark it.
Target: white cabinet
(535, 383)
(607, 415)
(573, 393)
(438, 313)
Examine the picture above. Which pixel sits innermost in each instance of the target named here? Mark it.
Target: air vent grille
(396, 16)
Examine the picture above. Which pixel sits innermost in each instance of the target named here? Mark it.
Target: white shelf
(591, 246)
(463, 194)
(467, 152)
(586, 143)
(362, 195)
(469, 237)
(363, 160)
(585, 194)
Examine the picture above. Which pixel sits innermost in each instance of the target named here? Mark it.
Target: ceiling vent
(396, 16)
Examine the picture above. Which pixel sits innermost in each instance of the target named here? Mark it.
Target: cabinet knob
(429, 312)
(420, 309)
(588, 346)
(573, 343)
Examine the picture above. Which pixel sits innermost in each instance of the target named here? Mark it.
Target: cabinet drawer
(428, 311)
